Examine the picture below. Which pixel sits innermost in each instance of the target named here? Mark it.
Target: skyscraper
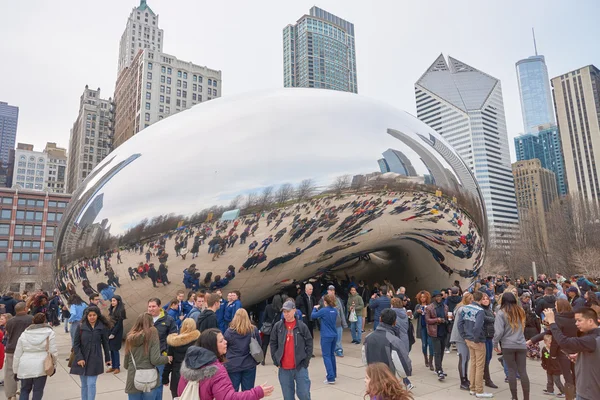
(90, 138)
(319, 52)
(577, 102)
(9, 118)
(141, 32)
(535, 93)
(396, 161)
(465, 106)
(544, 145)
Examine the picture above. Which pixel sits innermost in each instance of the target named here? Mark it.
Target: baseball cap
(330, 287)
(572, 289)
(289, 305)
(436, 293)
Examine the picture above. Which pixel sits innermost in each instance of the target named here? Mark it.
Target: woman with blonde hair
(381, 384)
(461, 346)
(240, 365)
(423, 300)
(142, 351)
(178, 345)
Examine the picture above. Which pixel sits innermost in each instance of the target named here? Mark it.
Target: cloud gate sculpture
(323, 183)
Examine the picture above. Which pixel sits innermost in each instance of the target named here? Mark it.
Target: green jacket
(358, 304)
(143, 360)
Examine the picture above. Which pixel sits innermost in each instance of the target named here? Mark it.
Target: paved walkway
(349, 386)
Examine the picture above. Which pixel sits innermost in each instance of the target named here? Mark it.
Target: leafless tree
(266, 198)
(340, 184)
(235, 202)
(251, 200)
(305, 189)
(284, 193)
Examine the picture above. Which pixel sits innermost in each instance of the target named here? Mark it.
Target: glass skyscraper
(9, 117)
(544, 145)
(535, 93)
(319, 52)
(396, 161)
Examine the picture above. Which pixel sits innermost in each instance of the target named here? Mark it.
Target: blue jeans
(356, 329)
(426, 342)
(74, 326)
(245, 378)
(115, 359)
(141, 396)
(375, 323)
(287, 377)
(489, 350)
(158, 392)
(88, 387)
(338, 344)
(328, 350)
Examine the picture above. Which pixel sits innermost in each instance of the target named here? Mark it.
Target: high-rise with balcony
(577, 104)
(535, 93)
(91, 136)
(9, 117)
(465, 106)
(319, 52)
(545, 145)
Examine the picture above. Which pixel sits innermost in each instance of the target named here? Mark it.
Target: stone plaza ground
(349, 385)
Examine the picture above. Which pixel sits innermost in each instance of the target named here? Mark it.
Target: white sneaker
(410, 387)
(447, 351)
(472, 393)
(484, 395)
(328, 383)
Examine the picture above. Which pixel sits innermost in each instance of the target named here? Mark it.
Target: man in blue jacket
(378, 303)
(234, 303)
(470, 326)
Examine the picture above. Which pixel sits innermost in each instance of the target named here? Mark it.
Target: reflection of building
(319, 52)
(358, 181)
(396, 161)
(545, 146)
(9, 117)
(464, 105)
(90, 136)
(28, 225)
(152, 85)
(536, 190)
(94, 208)
(39, 170)
(534, 89)
(577, 102)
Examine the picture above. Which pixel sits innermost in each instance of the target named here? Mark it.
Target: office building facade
(535, 93)
(91, 136)
(319, 52)
(545, 145)
(9, 119)
(40, 170)
(28, 226)
(465, 106)
(577, 105)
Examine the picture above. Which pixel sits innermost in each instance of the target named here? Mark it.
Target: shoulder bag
(255, 349)
(144, 379)
(49, 362)
(267, 327)
(191, 392)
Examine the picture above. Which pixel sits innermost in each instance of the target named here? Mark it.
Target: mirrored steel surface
(303, 167)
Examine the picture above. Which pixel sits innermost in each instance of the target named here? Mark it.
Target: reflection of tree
(236, 202)
(340, 184)
(6, 277)
(284, 193)
(250, 201)
(266, 198)
(305, 189)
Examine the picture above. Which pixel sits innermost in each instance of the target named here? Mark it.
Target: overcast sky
(51, 49)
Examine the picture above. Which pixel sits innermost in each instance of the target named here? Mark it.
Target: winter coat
(544, 302)
(14, 328)
(378, 304)
(431, 318)
(178, 345)
(455, 336)
(303, 343)
(143, 360)
(471, 324)
(108, 293)
(201, 366)
(230, 311)
(382, 345)
(9, 304)
(488, 324)
(418, 316)
(549, 363)
(358, 304)
(28, 361)
(328, 316)
(402, 325)
(238, 350)
(304, 307)
(577, 302)
(206, 320)
(452, 302)
(117, 331)
(194, 314)
(89, 344)
(165, 325)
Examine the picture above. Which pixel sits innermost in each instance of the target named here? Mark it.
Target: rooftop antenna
(534, 44)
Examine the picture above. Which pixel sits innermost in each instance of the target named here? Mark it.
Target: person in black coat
(162, 273)
(9, 303)
(178, 345)
(115, 338)
(305, 303)
(90, 341)
(153, 274)
(272, 315)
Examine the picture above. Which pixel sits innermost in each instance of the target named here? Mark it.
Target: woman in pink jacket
(204, 364)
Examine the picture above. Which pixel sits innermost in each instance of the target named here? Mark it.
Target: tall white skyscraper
(465, 106)
(141, 32)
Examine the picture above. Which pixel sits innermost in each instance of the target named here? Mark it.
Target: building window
(178, 82)
(169, 71)
(3, 243)
(178, 92)
(6, 214)
(147, 106)
(214, 92)
(162, 88)
(185, 75)
(161, 108)
(209, 82)
(185, 93)
(3, 258)
(28, 230)
(51, 216)
(184, 103)
(149, 76)
(148, 96)
(162, 79)
(194, 96)
(4, 229)
(200, 79)
(163, 69)
(47, 256)
(147, 117)
(18, 230)
(168, 100)
(48, 245)
(185, 84)
(51, 204)
(162, 98)
(149, 65)
(194, 87)
(195, 78)
(179, 74)
(37, 230)
(168, 89)
(178, 104)
(149, 85)
(215, 83)
(168, 80)
(7, 200)
(62, 204)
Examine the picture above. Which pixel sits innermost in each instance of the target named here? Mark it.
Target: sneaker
(464, 386)
(484, 395)
(410, 387)
(328, 382)
(447, 351)
(549, 393)
(560, 395)
(441, 376)
(472, 392)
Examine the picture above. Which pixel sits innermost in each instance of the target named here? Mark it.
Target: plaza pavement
(349, 385)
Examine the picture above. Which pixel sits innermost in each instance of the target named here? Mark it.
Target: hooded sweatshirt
(506, 336)
(31, 351)
(201, 365)
(207, 319)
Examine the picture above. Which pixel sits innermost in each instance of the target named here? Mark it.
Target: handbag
(255, 350)
(353, 317)
(49, 363)
(144, 380)
(190, 392)
(71, 358)
(266, 328)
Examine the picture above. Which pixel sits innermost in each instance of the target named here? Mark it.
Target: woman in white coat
(30, 354)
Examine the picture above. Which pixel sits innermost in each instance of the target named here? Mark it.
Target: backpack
(191, 392)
